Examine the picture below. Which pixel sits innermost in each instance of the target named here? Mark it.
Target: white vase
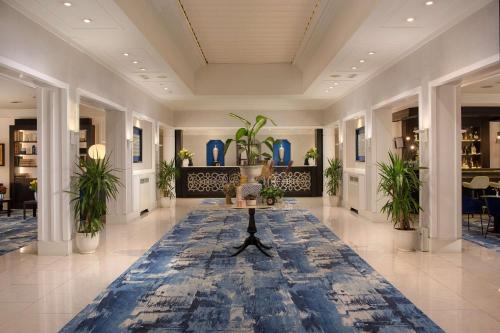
(281, 153)
(185, 162)
(85, 243)
(215, 154)
(334, 200)
(311, 161)
(406, 240)
(36, 196)
(251, 171)
(165, 202)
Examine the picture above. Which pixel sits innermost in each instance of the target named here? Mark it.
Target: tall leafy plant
(246, 138)
(333, 176)
(166, 175)
(398, 180)
(94, 184)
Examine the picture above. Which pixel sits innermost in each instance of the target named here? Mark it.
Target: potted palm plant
(165, 182)
(398, 181)
(246, 138)
(333, 176)
(94, 184)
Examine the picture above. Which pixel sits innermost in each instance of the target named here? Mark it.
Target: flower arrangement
(312, 153)
(33, 185)
(185, 154)
(3, 189)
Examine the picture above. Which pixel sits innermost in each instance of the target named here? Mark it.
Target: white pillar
(118, 211)
(54, 168)
(445, 170)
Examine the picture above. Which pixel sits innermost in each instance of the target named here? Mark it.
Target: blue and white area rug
(474, 235)
(15, 232)
(187, 282)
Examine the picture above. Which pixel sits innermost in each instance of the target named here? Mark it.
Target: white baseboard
(60, 248)
(445, 245)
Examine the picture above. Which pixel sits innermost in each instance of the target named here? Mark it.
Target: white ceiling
(14, 95)
(157, 35)
(249, 32)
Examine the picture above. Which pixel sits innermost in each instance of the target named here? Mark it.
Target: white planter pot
(251, 171)
(85, 243)
(334, 200)
(36, 196)
(311, 161)
(165, 202)
(406, 240)
(185, 162)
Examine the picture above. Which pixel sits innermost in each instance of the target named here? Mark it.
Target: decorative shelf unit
(472, 156)
(23, 160)
(87, 136)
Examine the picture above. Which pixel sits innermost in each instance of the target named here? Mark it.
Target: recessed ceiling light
(371, 53)
(165, 88)
(354, 67)
(410, 19)
(15, 102)
(135, 62)
(487, 86)
(67, 4)
(87, 20)
(335, 83)
(125, 54)
(330, 87)
(429, 3)
(362, 60)
(142, 69)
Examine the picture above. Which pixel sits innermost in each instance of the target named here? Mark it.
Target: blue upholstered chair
(471, 206)
(493, 204)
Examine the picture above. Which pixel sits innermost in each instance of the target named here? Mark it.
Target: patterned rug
(15, 232)
(473, 234)
(187, 282)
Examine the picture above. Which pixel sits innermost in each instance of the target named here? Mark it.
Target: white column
(118, 211)
(445, 170)
(54, 168)
(328, 150)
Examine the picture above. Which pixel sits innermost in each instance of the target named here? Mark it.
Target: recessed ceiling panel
(249, 32)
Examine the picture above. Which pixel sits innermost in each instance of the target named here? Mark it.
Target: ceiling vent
(145, 77)
(335, 75)
(161, 77)
(352, 76)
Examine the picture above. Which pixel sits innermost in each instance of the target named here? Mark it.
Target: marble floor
(460, 292)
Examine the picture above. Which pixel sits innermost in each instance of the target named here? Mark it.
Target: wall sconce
(423, 134)
(498, 137)
(74, 137)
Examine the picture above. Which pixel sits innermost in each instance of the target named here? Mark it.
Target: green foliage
(312, 153)
(398, 180)
(333, 176)
(166, 175)
(185, 154)
(229, 190)
(246, 138)
(272, 192)
(95, 183)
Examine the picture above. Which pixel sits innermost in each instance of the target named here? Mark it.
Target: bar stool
(477, 183)
(496, 186)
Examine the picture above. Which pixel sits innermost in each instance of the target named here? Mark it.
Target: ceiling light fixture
(330, 87)
(371, 53)
(429, 3)
(165, 88)
(362, 61)
(354, 67)
(125, 54)
(87, 20)
(410, 19)
(68, 4)
(142, 69)
(335, 83)
(135, 62)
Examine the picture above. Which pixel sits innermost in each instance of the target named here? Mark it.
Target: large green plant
(94, 184)
(166, 175)
(246, 138)
(398, 180)
(333, 176)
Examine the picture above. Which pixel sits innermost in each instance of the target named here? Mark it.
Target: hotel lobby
(249, 166)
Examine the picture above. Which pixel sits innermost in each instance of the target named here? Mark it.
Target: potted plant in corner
(246, 138)
(94, 184)
(398, 180)
(311, 156)
(333, 176)
(165, 178)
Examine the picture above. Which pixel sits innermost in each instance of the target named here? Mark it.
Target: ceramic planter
(252, 202)
(334, 200)
(165, 202)
(270, 201)
(406, 240)
(85, 243)
(311, 161)
(185, 162)
(251, 171)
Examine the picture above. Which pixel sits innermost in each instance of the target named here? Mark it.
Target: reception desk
(207, 182)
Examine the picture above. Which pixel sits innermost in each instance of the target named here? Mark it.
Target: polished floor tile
(459, 291)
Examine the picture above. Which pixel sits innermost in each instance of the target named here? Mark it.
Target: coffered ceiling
(239, 54)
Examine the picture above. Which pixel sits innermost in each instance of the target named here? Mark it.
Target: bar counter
(207, 182)
(468, 174)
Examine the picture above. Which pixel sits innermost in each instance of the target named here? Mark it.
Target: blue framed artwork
(137, 145)
(215, 153)
(282, 152)
(360, 144)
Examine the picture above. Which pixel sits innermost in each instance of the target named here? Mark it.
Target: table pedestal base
(252, 240)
